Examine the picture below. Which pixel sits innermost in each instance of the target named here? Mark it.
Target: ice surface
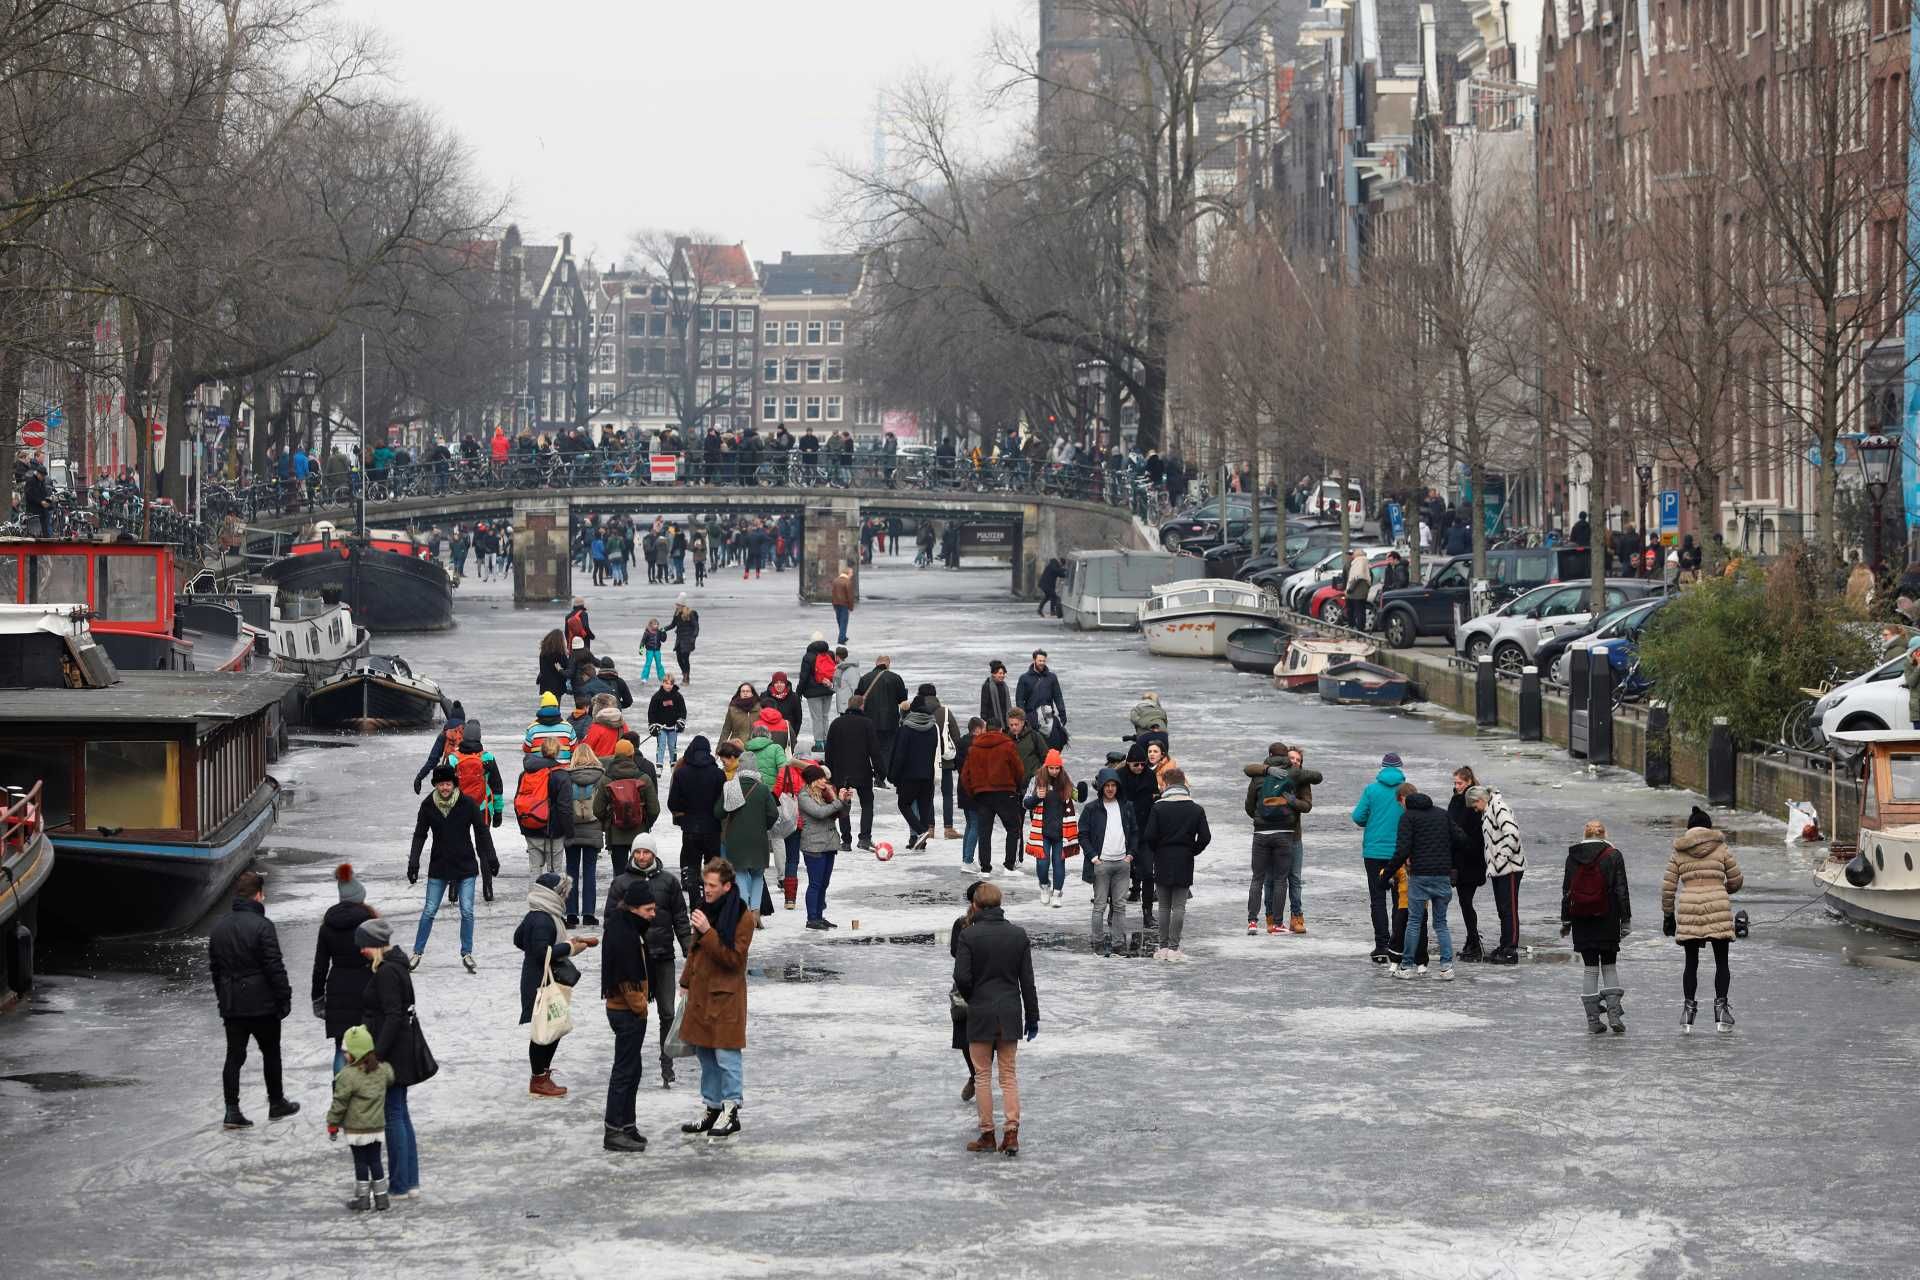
(1275, 1106)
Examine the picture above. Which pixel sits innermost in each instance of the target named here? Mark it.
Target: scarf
(735, 792)
(445, 806)
(743, 703)
(918, 721)
(553, 902)
(725, 914)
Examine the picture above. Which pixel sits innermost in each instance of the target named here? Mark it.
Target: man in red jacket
(994, 776)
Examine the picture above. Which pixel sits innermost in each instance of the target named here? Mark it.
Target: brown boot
(1010, 1144)
(951, 834)
(542, 1086)
(1298, 924)
(982, 1143)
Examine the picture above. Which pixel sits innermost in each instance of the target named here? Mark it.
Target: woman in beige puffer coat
(1695, 897)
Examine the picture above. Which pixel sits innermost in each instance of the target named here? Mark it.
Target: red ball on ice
(883, 851)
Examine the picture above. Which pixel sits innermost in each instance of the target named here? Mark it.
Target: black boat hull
(363, 701)
(395, 592)
(109, 888)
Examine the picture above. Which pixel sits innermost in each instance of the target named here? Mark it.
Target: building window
(636, 359)
(743, 396)
(746, 320)
(657, 325)
(724, 318)
(833, 408)
(793, 333)
(793, 371)
(813, 370)
(834, 369)
(603, 358)
(706, 353)
(723, 354)
(790, 409)
(813, 408)
(813, 333)
(770, 408)
(706, 320)
(770, 371)
(770, 333)
(656, 359)
(743, 352)
(637, 325)
(836, 331)
(659, 298)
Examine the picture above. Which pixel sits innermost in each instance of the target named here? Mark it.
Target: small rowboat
(1300, 667)
(1255, 649)
(1364, 683)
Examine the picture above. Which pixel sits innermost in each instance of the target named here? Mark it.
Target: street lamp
(1876, 454)
(1736, 498)
(1097, 381)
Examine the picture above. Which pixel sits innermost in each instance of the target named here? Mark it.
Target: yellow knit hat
(548, 700)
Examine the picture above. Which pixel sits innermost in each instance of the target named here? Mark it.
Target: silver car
(1476, 637)
(1552, 611)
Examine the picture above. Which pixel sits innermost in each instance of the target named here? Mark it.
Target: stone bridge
(1036, 526)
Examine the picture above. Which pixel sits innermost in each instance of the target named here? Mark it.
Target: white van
(1326, 500)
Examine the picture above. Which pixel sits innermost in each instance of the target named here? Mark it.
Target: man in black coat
(1139, 788)
(250, 982)
(669, 923)
(886, 693)
(697, 783)
(1175, 834)
(1050, 588)
(1040, 696)
(993, 970)
(996, 700)
(1425, 848)
(853, 760)
(462, 851)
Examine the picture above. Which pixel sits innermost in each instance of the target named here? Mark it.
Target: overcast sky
(601, 117)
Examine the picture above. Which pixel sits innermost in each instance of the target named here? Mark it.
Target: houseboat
(26, 864)
(1192, 619)
(1105, 589)
(388, 578)
(379, 691)
(153, 784)
(1300, 668)
(1874, 881)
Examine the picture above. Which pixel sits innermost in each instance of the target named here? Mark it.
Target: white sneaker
(1046, 896)
(1059, 899)
(1160, 954)
(1403, 971)
(1445, 974)
(1177, 956)
(1423, 970)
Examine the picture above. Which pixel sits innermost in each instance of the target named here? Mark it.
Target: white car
(1301, 584)
(1876, 700)
(1563, 608)
(1326, 500)
(1476, 636)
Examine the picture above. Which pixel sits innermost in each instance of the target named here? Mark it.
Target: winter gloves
(1033, 1029)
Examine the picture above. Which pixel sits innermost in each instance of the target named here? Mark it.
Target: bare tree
(694, 269)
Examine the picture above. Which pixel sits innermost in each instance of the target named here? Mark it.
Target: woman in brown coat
(715, 981)
(1701, 876)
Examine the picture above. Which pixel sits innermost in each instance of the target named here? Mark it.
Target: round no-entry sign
(33, 435)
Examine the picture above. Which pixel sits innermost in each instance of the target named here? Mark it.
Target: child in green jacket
(360, 1107)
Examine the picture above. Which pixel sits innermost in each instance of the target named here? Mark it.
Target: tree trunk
(1597, 503)
(11, 371)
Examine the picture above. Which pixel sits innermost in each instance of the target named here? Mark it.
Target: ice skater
(1594, 908)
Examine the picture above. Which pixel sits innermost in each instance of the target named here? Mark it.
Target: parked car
(1329, 600)
(1201, 527)
(1875, 700)
(1297, 589)
(1411, 612)
(1563, 607)
(1625, 623)
(1547, 654)
(1326, 500)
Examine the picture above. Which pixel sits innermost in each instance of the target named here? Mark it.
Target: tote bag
(676, 1047)
(552, 1008)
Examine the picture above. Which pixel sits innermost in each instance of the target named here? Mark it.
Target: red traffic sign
(33, 435)
(158, 431)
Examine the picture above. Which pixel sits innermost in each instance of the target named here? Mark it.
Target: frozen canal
(1275, 1106)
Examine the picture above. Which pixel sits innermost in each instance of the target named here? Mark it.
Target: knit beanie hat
(373, 933)
(1138, 751)
(358, 1042)
(623, 750)
(1053, 761)
(926, 691)
(1699, 818)
(579, 642)
(551, 880)
(812, 774)
(1391, 760)
(351, 890)
(637, 894)
(470, 736)
(548, 700)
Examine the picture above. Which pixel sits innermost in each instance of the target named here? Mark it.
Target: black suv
(1411, 612)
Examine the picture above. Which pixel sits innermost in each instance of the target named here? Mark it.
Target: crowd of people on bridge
(706, 848)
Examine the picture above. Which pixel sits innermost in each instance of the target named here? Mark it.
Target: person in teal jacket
(1378, 816)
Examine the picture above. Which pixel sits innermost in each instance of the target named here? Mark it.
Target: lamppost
(1736, 498)
(1082, 380)
(1876, 454)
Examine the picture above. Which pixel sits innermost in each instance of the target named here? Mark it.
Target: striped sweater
(1504, 854)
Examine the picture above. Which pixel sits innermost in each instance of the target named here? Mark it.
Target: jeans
(1109, 899)
(819, 874)
(1378, 895)
(403, 1148)
(752, 885)
(1173, 918)
(722, 1076)
(1420, 891)
(623, 1081)
(969, 839)
(264, 1032)
(582, 859)
(436, 894)
(544, 854)
(651, 665)
(660, 986)
(840, 615)
(792, 868)
(1274, 858)
(1051, 864)
(916, 803)
(680, 567)
(1506, 900)
(819, 712)
(983, 1055)
(666, 748)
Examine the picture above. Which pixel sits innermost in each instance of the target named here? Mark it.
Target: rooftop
(829, 274)
(205, 698)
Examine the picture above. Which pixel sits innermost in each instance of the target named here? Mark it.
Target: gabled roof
(539, 259)
(1399, 30)
(719, 264)
(819, 274)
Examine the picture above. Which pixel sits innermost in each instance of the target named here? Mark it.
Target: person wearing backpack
(1595, 909)
(1278, 792)
(589, 779)
(462, 849)
(477, 774)
(747, 812)
(1424, 846)
(628, 805)
(543, 806)
(817, 670)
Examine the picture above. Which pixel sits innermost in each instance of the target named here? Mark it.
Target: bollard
(1577, 703)
(1530, 713)
(1486, 694)
(1720, 763)
(1659, 746)
(1599, 706)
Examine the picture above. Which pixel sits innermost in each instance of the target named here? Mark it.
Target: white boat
(1192, 619)
(1301, 666)
(1875, 882)
(1104, 590)
(314, 639)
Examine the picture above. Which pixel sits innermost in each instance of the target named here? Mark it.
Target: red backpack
(470, 771)
(823, 668)
(626, 802)
(532, 802)
(1587, 896)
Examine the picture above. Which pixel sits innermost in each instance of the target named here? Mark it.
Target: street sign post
(33, 435)
(1669, 509)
